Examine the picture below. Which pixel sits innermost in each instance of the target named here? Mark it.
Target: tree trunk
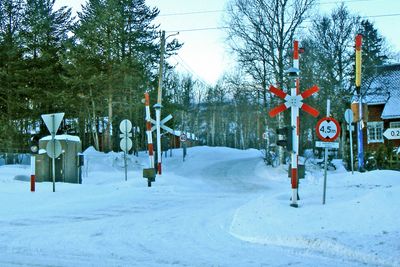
(108, 134)
(93, 120)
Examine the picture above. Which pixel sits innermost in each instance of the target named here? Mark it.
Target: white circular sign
(125, 126)
(125, 144)
(348, 116)
(183, 138)
(328, 129)
(53, 148)
(264, 136)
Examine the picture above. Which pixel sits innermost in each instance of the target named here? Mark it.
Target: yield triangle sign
(53, 121)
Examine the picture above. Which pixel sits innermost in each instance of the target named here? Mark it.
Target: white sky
(204, 52)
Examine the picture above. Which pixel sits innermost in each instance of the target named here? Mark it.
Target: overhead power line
(191, 13)
(222, 11)
(221, 28)
(199, 29)
(383, 15)
(186, 66)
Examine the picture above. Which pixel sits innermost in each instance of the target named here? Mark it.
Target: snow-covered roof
(66, 137)
(391, 109)
(190, 136)
(384, 89)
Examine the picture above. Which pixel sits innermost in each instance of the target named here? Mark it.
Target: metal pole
(328, 107)
(360, 113)
(295, 130)
(351, 149)
(126, 150)
(294, 152)
(53, 135)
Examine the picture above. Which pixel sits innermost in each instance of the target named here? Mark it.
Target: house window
(395, 124)
(375, 131)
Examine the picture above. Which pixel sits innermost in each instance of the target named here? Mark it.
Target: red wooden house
(381, 96)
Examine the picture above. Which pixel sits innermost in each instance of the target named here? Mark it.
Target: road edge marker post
(33, 177)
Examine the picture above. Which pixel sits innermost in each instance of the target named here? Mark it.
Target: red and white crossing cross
(293, 101)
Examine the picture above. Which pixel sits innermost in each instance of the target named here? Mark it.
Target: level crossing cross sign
(293, 101)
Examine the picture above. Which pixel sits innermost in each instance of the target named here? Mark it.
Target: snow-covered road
(190, 217)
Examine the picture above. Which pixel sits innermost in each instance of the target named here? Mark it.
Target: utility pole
(158, 106)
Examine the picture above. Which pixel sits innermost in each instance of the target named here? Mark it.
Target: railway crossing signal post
(294, 102)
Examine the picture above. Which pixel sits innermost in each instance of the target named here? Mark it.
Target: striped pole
(295, 121)
(32, 173)
(358, 87)
(296, 54)
(148, 130)
(295, 148)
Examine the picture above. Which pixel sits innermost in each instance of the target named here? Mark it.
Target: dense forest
(96, 67)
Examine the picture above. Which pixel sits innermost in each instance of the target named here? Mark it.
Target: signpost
(183, 139)
(392, 133)
(328, 130)
(126, 143)
(53, 147)
(294, 101)
(348, 116)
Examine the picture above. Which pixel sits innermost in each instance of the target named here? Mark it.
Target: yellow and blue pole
(358, 88)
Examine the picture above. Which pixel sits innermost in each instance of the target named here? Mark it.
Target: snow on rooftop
(66, 137)
(391, 109)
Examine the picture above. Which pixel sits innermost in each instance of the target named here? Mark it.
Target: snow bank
(358, 222)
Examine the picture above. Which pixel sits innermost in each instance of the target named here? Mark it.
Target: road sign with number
(183, 137)
(392, 133)
(328, 129)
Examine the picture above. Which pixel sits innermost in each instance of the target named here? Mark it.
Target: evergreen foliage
(96, 67)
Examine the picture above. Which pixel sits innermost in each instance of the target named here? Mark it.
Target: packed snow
(218, 207)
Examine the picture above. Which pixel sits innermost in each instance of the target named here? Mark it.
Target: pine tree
(44, 35)
(12, 109)
(114, 60)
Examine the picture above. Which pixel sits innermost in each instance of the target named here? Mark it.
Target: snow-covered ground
(220, 207)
